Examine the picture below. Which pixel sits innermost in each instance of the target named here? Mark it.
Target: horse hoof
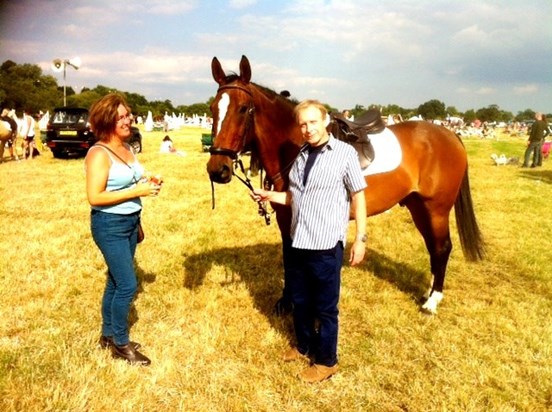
(430, 306)
(428, 311)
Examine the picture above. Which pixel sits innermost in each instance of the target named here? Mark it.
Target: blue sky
(467, 54)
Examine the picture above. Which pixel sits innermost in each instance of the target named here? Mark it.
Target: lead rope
(262, 210)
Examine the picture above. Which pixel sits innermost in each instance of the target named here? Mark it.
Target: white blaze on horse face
(223, 104)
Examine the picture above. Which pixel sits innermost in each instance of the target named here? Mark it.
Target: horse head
(233, 110)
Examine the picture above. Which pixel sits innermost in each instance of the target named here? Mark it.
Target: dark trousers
(315, 277)
(534, 149)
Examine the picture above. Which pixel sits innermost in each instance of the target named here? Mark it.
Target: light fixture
(58, 65)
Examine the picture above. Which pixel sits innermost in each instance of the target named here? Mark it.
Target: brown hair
(103, 115)
(310, 103)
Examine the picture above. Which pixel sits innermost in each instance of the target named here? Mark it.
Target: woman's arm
(98, 164)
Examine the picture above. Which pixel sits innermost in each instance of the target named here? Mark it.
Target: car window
(68, 117)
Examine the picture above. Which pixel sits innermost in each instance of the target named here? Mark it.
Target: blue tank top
(122, 176)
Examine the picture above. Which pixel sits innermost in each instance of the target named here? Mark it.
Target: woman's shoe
(106, 342)
(131, 355)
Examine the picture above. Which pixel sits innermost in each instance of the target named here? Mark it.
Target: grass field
(208, 280)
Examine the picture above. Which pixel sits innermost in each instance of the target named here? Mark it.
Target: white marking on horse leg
(223, 104)
(427, 293)
(432, 302)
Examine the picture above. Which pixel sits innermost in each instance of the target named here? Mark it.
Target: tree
(432, 110)
(525, 115)
(488, 114)
(23, 86)
(469, 116)
(197, 108)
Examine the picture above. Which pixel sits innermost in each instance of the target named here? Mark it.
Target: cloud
(241, 4)
(345, 52)
(526, 89)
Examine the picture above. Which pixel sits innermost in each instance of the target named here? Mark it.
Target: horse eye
(243, 109)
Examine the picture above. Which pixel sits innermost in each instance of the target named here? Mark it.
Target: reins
(235, 156)
(237, 163)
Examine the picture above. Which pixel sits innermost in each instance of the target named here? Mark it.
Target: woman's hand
(147, 188)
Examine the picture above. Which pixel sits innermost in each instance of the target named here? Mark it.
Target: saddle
(357, 132)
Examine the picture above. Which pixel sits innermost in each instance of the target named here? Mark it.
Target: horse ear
(216, 70)
(245, 70)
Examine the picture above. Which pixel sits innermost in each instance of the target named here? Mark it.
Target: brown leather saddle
(357, 132)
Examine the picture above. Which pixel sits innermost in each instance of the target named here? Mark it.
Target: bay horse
(431, 178)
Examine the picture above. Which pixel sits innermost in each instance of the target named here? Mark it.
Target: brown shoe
(317, 373)
(106, 342)
(293, 354)
(131, 355)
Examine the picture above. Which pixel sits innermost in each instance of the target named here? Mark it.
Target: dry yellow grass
(209, 279)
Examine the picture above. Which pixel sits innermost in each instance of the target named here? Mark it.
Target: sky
(466, 54)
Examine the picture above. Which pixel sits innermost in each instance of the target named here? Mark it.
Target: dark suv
(69, 133)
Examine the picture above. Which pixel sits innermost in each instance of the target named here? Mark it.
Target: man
(539, 130)
(324, 180)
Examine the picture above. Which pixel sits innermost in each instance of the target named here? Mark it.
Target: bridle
(235, 154)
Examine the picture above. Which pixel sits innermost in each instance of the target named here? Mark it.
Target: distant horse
(5, 135)
(431, 178)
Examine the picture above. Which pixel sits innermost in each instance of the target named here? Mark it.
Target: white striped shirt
(320, 209)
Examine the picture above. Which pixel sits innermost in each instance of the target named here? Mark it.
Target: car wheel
(136, 147)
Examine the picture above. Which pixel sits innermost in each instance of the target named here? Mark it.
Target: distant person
(539, 130)
(324, 181)
(28, 134)
(167, 146)
(114, 187)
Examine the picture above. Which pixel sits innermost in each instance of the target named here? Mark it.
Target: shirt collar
(329, 144)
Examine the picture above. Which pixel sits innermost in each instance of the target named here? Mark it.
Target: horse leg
(434, 227)
(2, 145)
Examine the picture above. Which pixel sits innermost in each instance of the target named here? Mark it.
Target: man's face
(313, 126)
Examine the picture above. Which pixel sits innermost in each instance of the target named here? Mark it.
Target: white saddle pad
(388, 153)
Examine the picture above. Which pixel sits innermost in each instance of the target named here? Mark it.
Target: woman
(114, 186)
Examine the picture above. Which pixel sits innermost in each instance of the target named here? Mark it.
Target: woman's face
(123, 122)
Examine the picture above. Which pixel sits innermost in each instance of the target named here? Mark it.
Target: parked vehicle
(68, 133)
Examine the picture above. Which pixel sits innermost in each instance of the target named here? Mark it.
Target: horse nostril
(225, 174)
(222, 175)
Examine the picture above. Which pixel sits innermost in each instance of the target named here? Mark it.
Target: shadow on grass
(544, 176)
(141, 277)
(261, 268)
(404, 277)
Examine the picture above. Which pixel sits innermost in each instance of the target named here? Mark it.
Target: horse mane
(269, 93)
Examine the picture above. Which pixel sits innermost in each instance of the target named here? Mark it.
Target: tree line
(25, 86)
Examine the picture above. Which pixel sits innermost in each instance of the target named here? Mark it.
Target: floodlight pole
(57, 64)
(64, 84)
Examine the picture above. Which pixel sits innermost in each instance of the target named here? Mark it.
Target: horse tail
(471, 238)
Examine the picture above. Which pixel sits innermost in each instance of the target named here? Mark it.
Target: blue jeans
(315, 277)
(116, 237)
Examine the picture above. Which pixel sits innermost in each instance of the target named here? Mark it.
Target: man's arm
(283, 198)
(359, 246)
